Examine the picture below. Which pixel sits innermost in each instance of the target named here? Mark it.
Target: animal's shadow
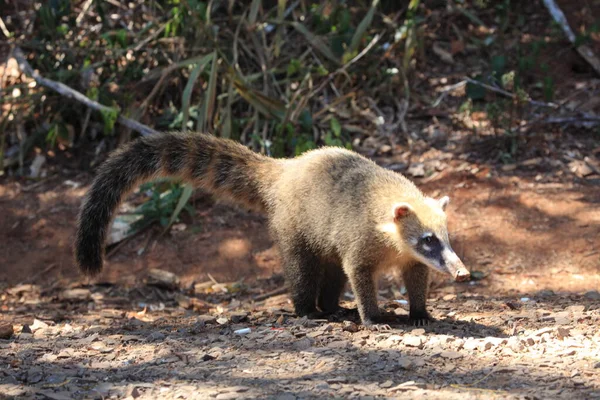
(446, 326)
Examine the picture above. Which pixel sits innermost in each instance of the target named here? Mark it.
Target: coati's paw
(420, 318)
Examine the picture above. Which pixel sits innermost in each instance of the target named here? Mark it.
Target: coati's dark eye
(428, 239)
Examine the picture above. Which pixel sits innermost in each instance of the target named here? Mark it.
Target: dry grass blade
(211, 94)
(188, 189)
(189, 87)
(254, 12)
(362, 28)
(227, 125)
(316, 42)
(266, 105)
(279, 33)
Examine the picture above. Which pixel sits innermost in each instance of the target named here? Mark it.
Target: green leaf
(209, 101)
(315, 41)
(336, 127)
(362, 28)
(183, 199)
(109, 118)
(254, 11)
(474, 91)
(498, 65)
(189, 87)
(267, 106)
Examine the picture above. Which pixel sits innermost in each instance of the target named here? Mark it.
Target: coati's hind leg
(331, 286)
(416, 281)
(302, 274)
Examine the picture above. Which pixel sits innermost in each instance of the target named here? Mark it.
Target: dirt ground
(527, 328)
(218, 325)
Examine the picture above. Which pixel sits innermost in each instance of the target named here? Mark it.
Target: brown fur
(329, 210)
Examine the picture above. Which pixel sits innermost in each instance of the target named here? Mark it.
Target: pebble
(236, 318)
(76, 294)
(451, 354)
(206, 319)
(338, 344)
(156, 336)
(6, 331)
(350, 326)
(592, 295)
(285, 396)
(413, 341)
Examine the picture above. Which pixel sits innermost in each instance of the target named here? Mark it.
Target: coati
(334, 214)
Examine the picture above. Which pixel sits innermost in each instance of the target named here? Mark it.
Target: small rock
(163, 279)
(37, 325)
(597, 365)
(471, 344)
(418, 332)
(416, 170)
(592, 295)
(413, 341)
(206, 319)
(404, 362)
(387, 384)
(546, 293)
(449, 297)
(302, 344)
(285, 396)
(338, 344)
(26, 329)
(207, 357)
(562, 333)
(34, 376)
(576, 309)
(76, 294)
(386, 148)
(451, 354)
(156, 337)
(350, 326)
(238, 317)
(222, 321)
(227, 396)
(6, 330)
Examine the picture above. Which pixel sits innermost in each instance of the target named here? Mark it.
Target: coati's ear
(443, 202)
(401, 210)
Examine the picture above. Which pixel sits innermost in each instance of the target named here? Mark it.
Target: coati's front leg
(416, 281)
(331, 286)
(364, 288)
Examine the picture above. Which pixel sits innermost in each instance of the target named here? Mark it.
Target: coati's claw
(420, 322)
(378, 327)
(381, 327)
(420, 318)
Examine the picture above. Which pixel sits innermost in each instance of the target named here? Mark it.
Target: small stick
(42, 272)
(584, 50)
(508, 94)
(272, 293)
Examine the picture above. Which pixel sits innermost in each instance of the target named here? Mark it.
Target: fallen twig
(66, 91)
(584, 50)
(276, 292)
(508, 94)
(37, 275)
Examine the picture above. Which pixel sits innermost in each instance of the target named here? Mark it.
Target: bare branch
(66, 91)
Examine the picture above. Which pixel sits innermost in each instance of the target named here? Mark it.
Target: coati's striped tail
(222, 166)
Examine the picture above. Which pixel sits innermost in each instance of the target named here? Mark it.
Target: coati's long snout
(222, 166)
